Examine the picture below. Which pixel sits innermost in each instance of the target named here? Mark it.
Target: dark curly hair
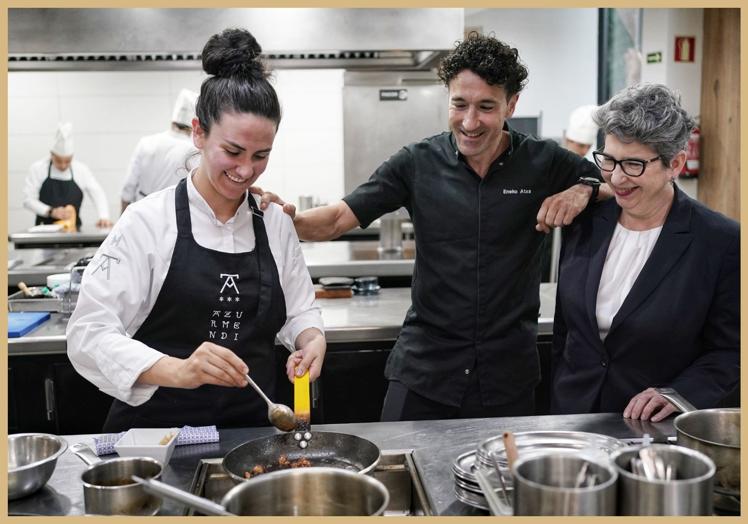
(239, 81)
(491, 59)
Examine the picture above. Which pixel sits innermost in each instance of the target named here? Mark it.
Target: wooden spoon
(511, 449)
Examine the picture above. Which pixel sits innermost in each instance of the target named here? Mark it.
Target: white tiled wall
(110, 111)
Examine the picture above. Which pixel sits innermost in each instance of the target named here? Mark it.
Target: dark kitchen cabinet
(353, 384)
(79, 405)
(27, 404)
(45, 394)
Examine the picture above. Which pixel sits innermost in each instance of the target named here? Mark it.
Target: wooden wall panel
(719, 177)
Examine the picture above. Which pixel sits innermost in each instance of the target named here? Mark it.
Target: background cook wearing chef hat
(184, 109)
(55, 186)
(581, 133)
(161, 160)
(63, 144)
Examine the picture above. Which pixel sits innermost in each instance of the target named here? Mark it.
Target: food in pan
(283, 463)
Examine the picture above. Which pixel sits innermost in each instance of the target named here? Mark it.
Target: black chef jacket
(475, 288)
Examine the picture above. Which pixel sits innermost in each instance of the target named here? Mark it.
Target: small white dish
(157, 443)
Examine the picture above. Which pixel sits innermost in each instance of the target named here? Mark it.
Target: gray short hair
(650, 114)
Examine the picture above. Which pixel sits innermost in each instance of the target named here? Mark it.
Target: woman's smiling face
(645, 195)
(234, 154)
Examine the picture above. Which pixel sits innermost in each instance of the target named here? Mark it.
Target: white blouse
(122, 287)
(627, 254)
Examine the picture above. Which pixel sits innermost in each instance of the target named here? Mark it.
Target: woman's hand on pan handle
(208, 364)
(310, 353)
(648, 405)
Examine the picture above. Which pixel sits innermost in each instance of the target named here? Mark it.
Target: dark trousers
(400, 403)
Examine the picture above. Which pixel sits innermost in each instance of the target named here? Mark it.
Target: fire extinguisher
(691, 167)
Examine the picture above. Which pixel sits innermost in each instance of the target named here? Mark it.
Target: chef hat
(63, 144)
(184, 108)
(582, 128)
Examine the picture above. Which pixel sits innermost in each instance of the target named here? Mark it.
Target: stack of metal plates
(492, 450)
(491, 453)
(467, 489)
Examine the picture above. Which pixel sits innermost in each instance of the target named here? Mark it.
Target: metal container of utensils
(662, 479)
(564, 484)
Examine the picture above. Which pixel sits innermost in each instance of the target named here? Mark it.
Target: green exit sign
(654, 58)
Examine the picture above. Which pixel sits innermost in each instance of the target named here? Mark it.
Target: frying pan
(337, 450)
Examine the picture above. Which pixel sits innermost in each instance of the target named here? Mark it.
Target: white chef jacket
(122, 282)
(82, 176)
(157, 163)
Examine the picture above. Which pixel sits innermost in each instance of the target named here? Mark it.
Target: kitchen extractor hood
(117, 39)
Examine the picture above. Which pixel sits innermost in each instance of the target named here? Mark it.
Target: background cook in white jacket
(67, 176)
(110, 310)
(160, 160)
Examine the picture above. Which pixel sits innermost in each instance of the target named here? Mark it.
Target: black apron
(234, 300)
(58, 193)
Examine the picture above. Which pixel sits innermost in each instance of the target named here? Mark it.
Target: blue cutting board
(21, 323)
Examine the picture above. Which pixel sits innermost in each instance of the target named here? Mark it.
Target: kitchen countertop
(324, 259)
(361, 318)
(86, 237)
(33, 266)
(357, 259)
(435, 444)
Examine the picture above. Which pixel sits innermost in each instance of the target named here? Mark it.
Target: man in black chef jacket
(480, 198)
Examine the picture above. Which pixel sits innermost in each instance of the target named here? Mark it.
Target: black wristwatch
(594, 183)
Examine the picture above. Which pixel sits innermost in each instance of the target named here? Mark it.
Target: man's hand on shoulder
(562, 208)
(266, 197)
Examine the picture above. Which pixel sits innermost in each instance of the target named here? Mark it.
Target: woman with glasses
(649, 288)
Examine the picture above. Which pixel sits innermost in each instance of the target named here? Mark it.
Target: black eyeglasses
(631, 166)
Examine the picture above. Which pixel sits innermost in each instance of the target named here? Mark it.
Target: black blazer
(679, 326)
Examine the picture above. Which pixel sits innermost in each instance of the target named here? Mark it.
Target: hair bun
(233, 52)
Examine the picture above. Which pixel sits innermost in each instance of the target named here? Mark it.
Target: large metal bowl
(32, 458)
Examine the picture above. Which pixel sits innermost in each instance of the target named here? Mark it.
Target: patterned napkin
(104, 444)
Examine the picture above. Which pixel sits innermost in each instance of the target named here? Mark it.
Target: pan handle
(170, 492)
(85, 453)
(676, 399)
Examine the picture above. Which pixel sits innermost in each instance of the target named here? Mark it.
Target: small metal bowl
(32, 458)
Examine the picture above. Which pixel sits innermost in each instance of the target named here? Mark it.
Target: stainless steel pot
(338, 450)
(714, 432)
(32, 458)
(316, 491)
(108, 488)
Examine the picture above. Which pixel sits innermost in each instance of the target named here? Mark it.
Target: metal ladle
(279, 415)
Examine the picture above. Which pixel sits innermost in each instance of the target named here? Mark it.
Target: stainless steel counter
(434, 445)
(33, 266)
(356, 259)
(86, 237)
(361, 318)
(324, 259)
